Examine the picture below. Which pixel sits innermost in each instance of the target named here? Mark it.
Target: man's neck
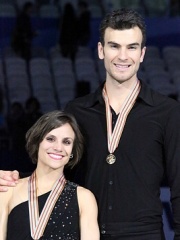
(117, 93)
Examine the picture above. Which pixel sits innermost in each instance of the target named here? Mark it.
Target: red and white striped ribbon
(113, 138)
(38, 223)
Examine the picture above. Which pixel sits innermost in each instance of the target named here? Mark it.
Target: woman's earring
(71, 156)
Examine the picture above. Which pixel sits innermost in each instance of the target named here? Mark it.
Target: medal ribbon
(38, 223)
(114, 137)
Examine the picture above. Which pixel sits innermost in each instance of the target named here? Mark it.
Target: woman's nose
(58, 146)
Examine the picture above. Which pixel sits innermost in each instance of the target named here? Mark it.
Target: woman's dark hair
(47, 123)
(122, 19)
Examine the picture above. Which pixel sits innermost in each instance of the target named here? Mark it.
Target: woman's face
(56, 148)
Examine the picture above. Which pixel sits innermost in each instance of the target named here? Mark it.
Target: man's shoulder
(84, 101)
(81, 100)
(156, 98)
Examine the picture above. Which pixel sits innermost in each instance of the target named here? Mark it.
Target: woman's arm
(4, 212)
(88, 215)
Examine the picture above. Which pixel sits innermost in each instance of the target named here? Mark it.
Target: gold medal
(111, 159)
(114, 135)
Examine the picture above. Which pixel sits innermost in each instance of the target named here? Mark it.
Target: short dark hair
(47, 123)
(123, 19)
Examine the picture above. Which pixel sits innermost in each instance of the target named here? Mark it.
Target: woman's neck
(45, 180)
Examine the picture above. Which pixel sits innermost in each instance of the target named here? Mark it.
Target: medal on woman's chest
(111, 159)
(38, 221)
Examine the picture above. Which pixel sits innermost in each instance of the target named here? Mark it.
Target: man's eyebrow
(134, 44)
(111, 42)
(131, 44)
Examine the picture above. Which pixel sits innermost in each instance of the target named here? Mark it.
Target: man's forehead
(116, 35)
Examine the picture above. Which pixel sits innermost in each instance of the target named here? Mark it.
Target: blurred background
(48, 56)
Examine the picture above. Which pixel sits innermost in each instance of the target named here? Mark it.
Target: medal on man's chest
(111, 159)
(114, 135)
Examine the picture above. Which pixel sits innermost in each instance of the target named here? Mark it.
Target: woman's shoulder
(19, 193)
(85, 194)
(71, 184)
(22, 185)
(6, 196)
(81, 191)
(14, 191)
(86, 199)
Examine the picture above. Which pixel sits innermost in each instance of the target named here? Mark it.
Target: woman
(46, 205)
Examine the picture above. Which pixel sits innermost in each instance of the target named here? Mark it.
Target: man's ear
(100, 51)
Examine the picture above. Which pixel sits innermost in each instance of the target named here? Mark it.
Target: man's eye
(113, 46)
(132, 47)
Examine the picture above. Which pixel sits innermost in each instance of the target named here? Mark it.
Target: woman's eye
(67, 142)
(50, 139)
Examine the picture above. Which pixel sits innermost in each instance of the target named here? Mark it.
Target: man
(132, 138)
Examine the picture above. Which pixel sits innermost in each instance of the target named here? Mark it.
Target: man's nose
(122, 54)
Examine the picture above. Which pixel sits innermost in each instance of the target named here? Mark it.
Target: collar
(146, 95)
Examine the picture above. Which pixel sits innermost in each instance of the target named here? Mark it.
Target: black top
(63, 223)
(128, 191)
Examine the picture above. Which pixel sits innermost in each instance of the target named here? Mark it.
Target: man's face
(122, 53)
